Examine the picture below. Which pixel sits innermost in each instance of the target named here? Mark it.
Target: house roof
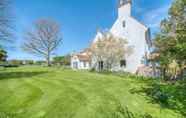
(153, 56)
(82, 57)
(85, 55)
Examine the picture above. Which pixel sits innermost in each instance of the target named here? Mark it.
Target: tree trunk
(48, 59)
(164, 73)
(154, 69)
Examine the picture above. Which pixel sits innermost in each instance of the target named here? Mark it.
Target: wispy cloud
(154, 17)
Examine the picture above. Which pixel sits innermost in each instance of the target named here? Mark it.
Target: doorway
(100, 65)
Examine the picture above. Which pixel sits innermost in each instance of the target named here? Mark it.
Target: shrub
(40, 63)
(15, 62)
(92, 70)
(28, 62)
(161, 97)
(62, 60)
(158, 95)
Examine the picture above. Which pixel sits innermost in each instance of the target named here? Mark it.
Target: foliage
(109, 49)
(3, 55)
(62, 60)
(158, 95)
(40, 63)
(167, 95)
(15, 62)
(28, 62)
(43, 40)
(171, 41)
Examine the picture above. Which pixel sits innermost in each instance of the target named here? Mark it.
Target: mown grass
(41, 92)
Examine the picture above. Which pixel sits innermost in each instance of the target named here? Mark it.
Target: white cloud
(154, 17)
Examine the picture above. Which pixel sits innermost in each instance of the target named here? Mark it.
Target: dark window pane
(124, 24)
(100, 65)
(123, 63)
(84, 63)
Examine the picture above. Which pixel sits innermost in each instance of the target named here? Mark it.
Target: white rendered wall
(74, 59)
(124, 11)
(84, 65)
(80, 65)
(135, 33)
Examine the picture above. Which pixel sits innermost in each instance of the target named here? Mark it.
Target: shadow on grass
(124, 75)
(167, 95)
(125, 113)
(120, 112)
(19, 75)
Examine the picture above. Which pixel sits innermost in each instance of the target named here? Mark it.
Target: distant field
(38, 92)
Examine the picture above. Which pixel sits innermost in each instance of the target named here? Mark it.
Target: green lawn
(38, 92)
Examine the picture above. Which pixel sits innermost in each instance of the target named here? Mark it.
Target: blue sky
(80, 19)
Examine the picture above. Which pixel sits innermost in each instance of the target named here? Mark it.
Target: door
(75, 65)
(100, 65)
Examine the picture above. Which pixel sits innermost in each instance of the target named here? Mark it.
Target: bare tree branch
(5, 20)
(43, 39)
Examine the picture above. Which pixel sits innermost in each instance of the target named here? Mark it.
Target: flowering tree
(110, 50)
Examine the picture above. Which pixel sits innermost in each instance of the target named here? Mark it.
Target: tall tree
(171, 41)
(44, 39)
(5, 20)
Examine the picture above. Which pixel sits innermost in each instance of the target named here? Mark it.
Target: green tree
(3, 55)
(62, 60)
(171, 41)
(15, 62)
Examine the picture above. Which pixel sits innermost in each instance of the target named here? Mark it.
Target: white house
(81, 60)
(137, 35)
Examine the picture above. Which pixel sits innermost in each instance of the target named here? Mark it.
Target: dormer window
(124, 24)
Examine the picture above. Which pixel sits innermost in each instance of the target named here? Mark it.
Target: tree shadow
(19, 75)
(126, 113)
(167, 95)
(120, 111)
